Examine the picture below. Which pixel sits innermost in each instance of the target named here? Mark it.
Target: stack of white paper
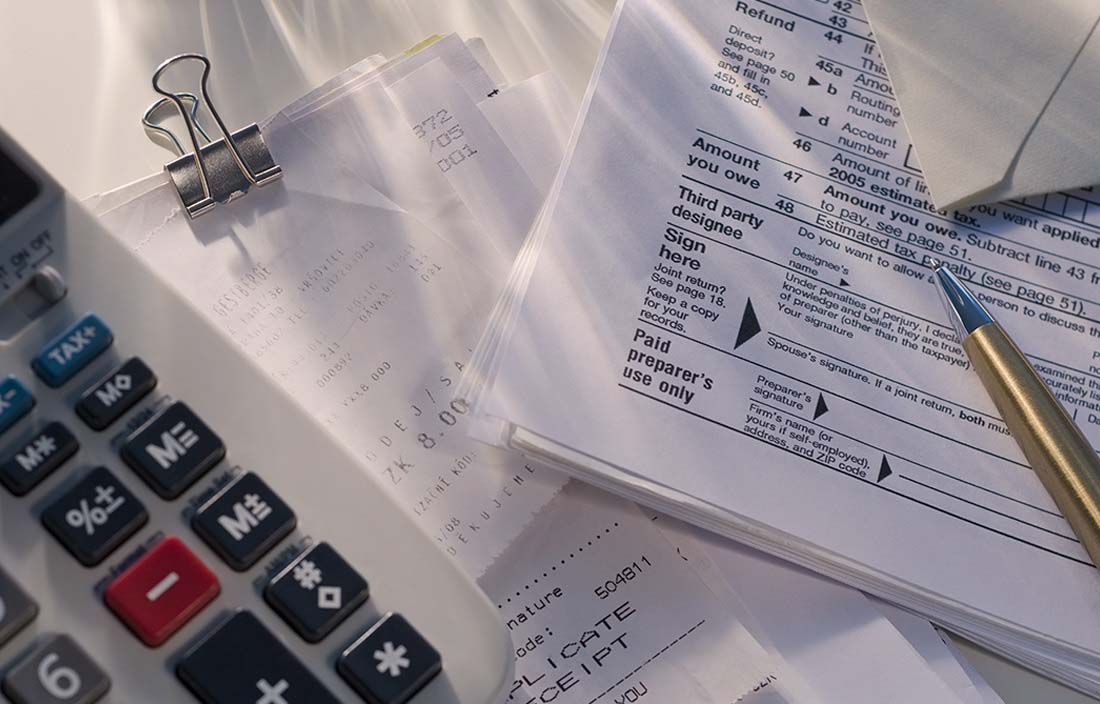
(407, 192)
(725, 314)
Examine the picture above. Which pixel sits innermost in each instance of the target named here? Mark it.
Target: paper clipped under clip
(220, 170)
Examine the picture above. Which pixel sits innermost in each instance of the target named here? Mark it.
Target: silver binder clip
(221, 170)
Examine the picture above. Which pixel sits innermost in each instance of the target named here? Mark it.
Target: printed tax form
(730, 320)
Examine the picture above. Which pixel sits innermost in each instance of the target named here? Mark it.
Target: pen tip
(934, 263)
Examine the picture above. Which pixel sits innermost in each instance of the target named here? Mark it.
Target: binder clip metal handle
(151, 128)
(222, 170)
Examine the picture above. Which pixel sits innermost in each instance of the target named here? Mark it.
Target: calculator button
(59, 672)
(389, 663)
(16, 608)
(244, 521)
(316, 592)
(95, 516)
(115, 394)
(36, 459)
(173, 450)
(15, 402)
(72, 350)
(162, 591)
(242, 661)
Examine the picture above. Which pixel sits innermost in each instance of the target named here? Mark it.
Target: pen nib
(966, 312)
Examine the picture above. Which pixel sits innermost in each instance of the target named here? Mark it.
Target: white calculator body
(173, 526)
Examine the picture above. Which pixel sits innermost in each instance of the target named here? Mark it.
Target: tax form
(731, 319)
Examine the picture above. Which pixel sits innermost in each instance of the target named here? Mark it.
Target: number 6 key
(59, 672)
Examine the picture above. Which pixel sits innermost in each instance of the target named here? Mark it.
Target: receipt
(367, 321)
(357, 123)
(463, 145)
(607, 611)
(310, 309)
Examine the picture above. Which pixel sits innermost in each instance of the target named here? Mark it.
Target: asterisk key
(391, 659)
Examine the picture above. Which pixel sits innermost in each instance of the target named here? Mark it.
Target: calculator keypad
(30, 463)
(16, 608)
(244, 521)
(238, 661)
(95, 516)
(173, 450)
(162, 591)
(59, 672)
(115, 394)
(316, 592)
(242, 661)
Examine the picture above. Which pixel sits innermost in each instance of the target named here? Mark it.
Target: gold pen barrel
(1053, 444)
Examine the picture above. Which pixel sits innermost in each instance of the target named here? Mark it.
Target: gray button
(16, 608)
(59, 672)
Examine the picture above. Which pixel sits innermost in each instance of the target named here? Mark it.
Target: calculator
(174, 527)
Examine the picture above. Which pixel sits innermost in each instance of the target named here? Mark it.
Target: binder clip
(218, 171)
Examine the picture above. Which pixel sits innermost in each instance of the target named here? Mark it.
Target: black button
(242, 661)
(37, 458)
(243, 521)
(389, 663)
(16, 608)
(59, 672)
(95, 516)
(173, 450)
(316, 592)
(115, 394)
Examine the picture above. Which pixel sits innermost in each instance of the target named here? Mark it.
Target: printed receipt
(367, 318)
(741, 314)
(603, 609)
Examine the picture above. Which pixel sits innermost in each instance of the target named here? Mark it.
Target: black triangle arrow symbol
(803, 112)
(884, 470)
(844, 282)
(814, 81)
(822, 407)
(750, 326)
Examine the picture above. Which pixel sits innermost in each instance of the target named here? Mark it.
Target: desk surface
(76, 80)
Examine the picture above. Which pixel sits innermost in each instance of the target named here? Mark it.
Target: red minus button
(162, 591)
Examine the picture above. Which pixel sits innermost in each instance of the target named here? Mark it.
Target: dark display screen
(17, 188)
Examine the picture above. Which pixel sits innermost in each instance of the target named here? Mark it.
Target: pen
(1053, 444)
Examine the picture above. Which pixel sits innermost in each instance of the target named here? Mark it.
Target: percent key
(92, 518)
